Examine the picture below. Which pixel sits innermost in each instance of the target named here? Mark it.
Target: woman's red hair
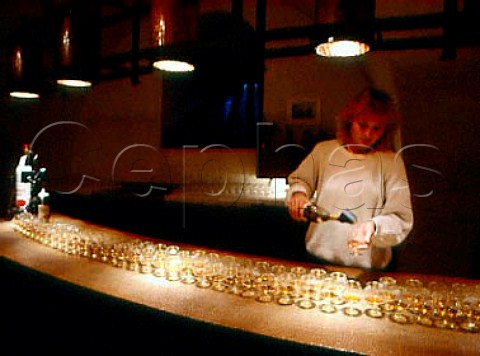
(370, 101)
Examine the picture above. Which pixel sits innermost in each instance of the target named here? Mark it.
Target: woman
(360, 172)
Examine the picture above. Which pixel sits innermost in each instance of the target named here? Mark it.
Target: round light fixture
(74, 83)
(173, 66)
(24, 95)
(341, 48)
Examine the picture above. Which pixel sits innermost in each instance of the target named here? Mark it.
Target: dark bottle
(38, 183)
(316, 214)
(29, 159)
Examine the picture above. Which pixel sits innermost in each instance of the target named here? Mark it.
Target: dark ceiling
(454, 25)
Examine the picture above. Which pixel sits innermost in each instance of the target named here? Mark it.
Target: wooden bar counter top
(171, 317)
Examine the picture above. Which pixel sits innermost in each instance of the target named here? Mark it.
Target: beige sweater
(373, 186)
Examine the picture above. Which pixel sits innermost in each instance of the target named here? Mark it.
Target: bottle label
(23, 193)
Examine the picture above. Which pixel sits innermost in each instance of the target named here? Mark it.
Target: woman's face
(367, 129)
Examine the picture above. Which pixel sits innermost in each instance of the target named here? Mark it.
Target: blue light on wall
(228, 108)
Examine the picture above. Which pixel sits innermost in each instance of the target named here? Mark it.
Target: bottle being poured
(315, 213)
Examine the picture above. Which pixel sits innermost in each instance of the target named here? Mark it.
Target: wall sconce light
(174, 24)
(349, 27)
(78, 47)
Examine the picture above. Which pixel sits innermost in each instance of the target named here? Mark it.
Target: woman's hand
(296, 204)
(361, 236)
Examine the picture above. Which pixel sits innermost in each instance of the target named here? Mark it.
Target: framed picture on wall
(301, 110)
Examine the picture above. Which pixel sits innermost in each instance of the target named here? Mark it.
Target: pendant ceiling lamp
(28, 66)
(78, 46)
(24, 80)
(349, 27)
(174, 24)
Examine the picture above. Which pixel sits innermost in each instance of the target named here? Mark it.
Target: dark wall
(440, 104)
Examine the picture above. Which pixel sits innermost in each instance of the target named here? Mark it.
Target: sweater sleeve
(305, 177)
(395, 220)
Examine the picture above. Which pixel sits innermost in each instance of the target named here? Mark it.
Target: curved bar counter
(57, 302)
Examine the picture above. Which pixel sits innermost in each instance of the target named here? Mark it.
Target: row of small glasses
(246, 277)
(437, 304)
(66, 237)
(458, 307)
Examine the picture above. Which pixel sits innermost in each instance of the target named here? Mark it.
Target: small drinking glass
(374, 293)
(186, 269)
(354, 245)
(173, 263)
(158, 260)
(267, 287)
(353, 295)
(333, 287)
(202, 268)
(309, 286)
(354, 292)
(285, 288)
